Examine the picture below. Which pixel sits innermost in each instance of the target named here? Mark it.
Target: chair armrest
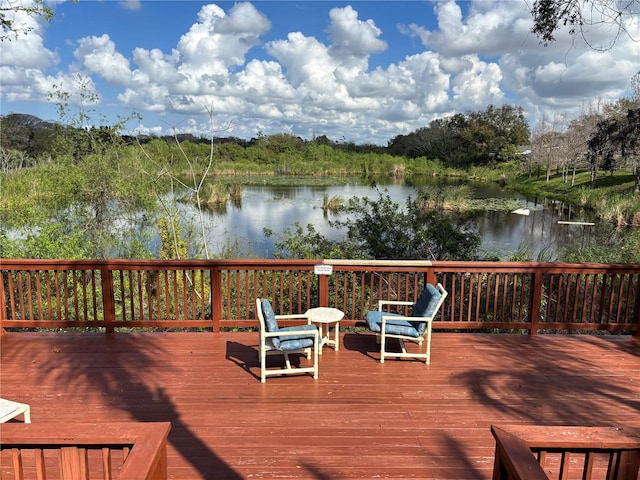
(392, 302)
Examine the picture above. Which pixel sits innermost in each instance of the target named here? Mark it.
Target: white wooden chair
(10, 409)
(415, 327)
(304, 339)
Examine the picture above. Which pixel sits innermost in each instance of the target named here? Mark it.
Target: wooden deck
(360, 419)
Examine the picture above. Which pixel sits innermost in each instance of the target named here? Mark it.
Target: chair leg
(403, 349)
(263, 365)
(428, 352)
(383, 341)
(286, 360)
(316, 347)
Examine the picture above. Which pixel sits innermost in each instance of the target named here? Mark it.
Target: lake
(278, 207)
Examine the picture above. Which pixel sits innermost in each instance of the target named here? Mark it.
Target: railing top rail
(566, 437)
(257, 263)
(380, 263)
(50, 433)
(41, 264)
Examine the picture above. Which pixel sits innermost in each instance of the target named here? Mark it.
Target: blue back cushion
(427, 303)
(269, 317)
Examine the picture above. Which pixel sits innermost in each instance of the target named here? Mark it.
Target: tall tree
(615, 140)
(549, 144)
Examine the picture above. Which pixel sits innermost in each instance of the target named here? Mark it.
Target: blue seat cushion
(427, 303)
(296, 342)
(394, 327)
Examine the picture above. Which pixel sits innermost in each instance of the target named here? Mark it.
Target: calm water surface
(280, 207)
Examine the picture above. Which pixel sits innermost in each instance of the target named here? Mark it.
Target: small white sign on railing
(323, 269)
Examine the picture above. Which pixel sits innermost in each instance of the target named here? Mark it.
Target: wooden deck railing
(520, 296)
(586, 453)
(79, 451)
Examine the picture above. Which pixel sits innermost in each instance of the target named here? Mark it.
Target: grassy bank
(612, 200)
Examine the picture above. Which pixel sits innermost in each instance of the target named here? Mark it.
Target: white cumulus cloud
(477, 53)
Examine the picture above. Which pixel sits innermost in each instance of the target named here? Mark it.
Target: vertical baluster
(203, 301)
(613, 466)
(76, 293)
(39, 295)
(558, 296)
(17, 463)
(470, 299)
(496, 283)
(166, 291)
(568, 313)
(56, 287)
(41, 473)
(478, 292)
(106, 464)
(587, 470)
(614, 279)
(593, 318)
(12, 301)
(563, 474)
(85, 298)
(149, 295)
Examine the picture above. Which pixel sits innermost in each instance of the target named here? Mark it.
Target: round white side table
(327, 316)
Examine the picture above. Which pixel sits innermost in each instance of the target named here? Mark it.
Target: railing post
(431, 276)
(108, 298)
(535, 300)
(216, 298)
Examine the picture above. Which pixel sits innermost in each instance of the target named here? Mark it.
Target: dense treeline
(468, 139)
(25, 140)
(474, 138)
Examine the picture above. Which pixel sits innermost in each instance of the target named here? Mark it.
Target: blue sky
(360, 71)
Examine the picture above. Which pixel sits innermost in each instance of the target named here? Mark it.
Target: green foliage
(463, 140)
(447, 197)
(616, 140)
(23, 140)
(502, 172)
(608, 249)
(382, 229)
(309, 244)
(172, 246)
(333, 204)
(82, 130)
(97, 199)
(48, 240)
